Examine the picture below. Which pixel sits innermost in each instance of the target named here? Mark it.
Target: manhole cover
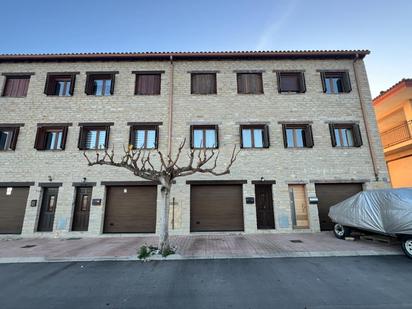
(296, 241)
(28, 246)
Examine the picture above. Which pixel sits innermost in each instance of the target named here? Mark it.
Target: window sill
(50, 150)
(147, 95)
(299, 148)
(204, 94)
(254, 148)
(291, 93)
(348, 147)
(338, 93)
(59, 96)
(7, 96)
(246, 94)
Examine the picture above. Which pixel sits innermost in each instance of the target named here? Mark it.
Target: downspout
(170, 112)
(366, 121)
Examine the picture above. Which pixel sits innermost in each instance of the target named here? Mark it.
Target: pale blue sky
(54, 26)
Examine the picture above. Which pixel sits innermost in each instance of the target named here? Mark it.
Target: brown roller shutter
(216, 208)
(130, 209)
(12, 209)
(331, 194)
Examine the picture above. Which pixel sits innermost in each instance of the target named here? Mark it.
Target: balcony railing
(398, 134)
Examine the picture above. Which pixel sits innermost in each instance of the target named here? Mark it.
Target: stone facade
(322, 163)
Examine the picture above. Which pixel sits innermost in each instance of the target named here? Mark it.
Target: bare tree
(138, 162)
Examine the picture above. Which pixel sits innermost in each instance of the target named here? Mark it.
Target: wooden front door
(264, 207)
(82, 209)
(47, 210)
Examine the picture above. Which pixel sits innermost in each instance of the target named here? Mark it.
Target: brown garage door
(130, 209)
(216, 208)
(331, 194)
(12, 208)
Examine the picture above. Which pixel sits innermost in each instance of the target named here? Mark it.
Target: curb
(178, 257)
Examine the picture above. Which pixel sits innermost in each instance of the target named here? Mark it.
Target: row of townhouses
(303, 119)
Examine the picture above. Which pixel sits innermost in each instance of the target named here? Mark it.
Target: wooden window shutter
(157, 137)
(89, 84)
(357, 135)
(64, 137)
(241, 83)
(106, 142)
(266, 141)
(40, 139)
(278, 81)
(192, 145)
(285, 138)
(346, 82)
(132, 134)
(302, 82)
(322, 77)
(72, 82)
(113, 78)
(332, 134)
(309, 136)
(216, 127)
(81, 144)
(47, 85)
(241, 136)
(14, 138)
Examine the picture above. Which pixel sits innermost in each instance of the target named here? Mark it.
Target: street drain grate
(296, 241)
(28, 246)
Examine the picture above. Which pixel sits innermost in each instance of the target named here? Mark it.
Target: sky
(57, 26)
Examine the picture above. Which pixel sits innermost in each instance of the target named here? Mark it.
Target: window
(297, 136)
(94, 136)
(254, 136)
(100, 84)
(204, 136)
(61, 85)
(249, 83)
(291, 82)
(16, 86)
(8, 137)
(144, 136)
(51, 137)
(345, 135)
(203, 83)
(335, 82)
(147, 84)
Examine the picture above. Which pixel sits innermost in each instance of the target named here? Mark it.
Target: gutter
(170, 108)
(366, 121)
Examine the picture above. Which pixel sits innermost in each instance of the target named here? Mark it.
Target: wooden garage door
(216, 208)
(12, 208)
(331, 194)
(130, 209)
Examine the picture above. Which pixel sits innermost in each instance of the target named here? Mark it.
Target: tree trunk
(164, 244)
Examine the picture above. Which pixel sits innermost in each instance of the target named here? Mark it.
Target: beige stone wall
(226, 108)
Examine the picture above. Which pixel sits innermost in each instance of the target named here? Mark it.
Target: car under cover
(387, 211)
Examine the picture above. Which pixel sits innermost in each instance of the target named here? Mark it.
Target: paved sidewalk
(190, 247)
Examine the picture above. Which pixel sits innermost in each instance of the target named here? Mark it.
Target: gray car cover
(386, 211)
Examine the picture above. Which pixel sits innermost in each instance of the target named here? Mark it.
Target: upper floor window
(60, 84)
(16, 85)
(335, 82)
(94, 136)
(291, 82)
(297, 135)
(254, 136)
(147, 83)
(203, 83)
(8, 137)
(144, 136)
(345, 135)
(249, 83)
(51, 136)
(100, 84)
(204, 136)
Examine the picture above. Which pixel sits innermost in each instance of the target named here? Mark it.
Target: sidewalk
(190, 247)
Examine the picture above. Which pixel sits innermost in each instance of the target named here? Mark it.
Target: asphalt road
(343, 282)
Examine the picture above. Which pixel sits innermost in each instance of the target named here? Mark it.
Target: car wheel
(341, 231)
(407, 246)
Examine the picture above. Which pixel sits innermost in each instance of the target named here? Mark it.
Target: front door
(48, 208)
(264, 207)
(82, 209)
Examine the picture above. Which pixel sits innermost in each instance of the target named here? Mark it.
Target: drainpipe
(366, 121)
(170, 112)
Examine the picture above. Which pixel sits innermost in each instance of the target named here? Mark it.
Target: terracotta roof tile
(405, 82)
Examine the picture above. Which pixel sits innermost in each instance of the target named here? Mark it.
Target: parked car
(387, 212)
